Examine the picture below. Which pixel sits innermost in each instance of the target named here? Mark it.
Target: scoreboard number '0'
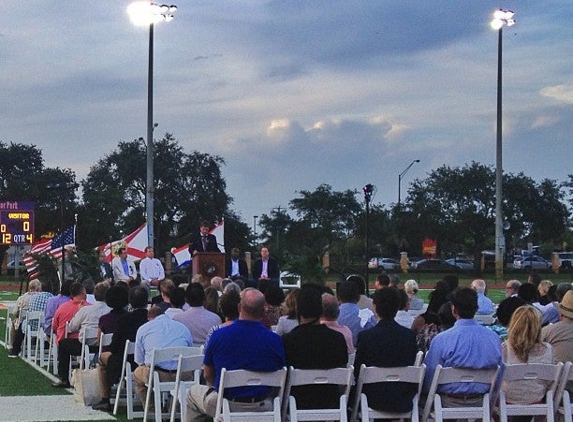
(16, 223)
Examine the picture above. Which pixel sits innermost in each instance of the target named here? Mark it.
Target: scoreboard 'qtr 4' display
(16, 223)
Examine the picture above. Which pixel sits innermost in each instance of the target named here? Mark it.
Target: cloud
(544, 121)
(561, 93)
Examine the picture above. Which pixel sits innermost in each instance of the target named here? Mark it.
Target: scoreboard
(16, 223)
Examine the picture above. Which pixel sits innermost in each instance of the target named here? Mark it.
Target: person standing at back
(203, 241)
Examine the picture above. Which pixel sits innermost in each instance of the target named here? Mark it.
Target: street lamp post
(401, 176)
(501, 17)
(255, 227)
(143, 13)
(368, 191)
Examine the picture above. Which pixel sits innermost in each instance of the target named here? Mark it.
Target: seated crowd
(261, 329)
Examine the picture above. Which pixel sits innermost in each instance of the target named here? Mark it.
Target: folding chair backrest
(374, 374)
(31, 327)
(546, 373)
(485, 319)
(127, 380)
(419, 358)
(104, 341)
(159, 356)
(245, 378)
(185, 364)
(335, 376)
(460, 375)
(562, 402)
(87, 333)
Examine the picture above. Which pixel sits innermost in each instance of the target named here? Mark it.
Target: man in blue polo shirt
(245, 344)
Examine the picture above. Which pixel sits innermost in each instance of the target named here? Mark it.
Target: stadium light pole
(401, 176)
(501, 17)
(145, 13)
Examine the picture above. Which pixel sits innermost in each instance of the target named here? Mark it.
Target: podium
(209, 264)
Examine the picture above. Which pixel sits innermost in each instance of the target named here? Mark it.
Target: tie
(204, 240)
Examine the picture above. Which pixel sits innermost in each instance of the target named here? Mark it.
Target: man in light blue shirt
(350, 313)
(485, 305)
(160, 332)
(465, 345)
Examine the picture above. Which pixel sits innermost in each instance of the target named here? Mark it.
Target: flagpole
(62, 240)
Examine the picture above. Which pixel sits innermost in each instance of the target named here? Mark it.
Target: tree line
(455, 205)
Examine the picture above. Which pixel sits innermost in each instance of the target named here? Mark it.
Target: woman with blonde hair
(289, 319)
(524, 345)
(543, 289)
(411, 288)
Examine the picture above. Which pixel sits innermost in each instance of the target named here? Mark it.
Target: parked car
(435, 265)
(384, 263)
(461, 264)
(531, 262)
(565, 259)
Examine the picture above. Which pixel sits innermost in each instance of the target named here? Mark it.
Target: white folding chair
(185, 364)
(546, 373)
(7, 332)
(436, 411)
(351, 359)
(562, 401)
(126, 378)
(154, 383)
(86, 357)
(92, 358)
(244, 378)
(53, 354)
(485, 319)
(373, 374)
(419, 358)
(104, 341)
(318, 377)
(32, 326)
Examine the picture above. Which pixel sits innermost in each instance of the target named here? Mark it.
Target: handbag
(86, 386)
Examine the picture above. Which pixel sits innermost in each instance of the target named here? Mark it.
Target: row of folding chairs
(189, 360)
(35, 339)
(555, 376)
(167, 396)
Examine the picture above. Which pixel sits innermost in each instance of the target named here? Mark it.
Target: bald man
(245, 344)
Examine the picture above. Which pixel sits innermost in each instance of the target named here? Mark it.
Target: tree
(23, 177)
(457, 207)
(189, 188)
(326, 220)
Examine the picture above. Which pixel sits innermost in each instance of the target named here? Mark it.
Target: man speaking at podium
(203, 241)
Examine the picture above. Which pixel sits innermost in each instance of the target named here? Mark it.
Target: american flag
(52, 246)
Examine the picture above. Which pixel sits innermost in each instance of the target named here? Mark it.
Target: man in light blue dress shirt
(466, 345)
(160, 332)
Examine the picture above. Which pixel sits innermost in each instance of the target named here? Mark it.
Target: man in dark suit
(110, 362)
(235, 266)
(387, 345)
(266, 268)
(203, 241)
(105, 272)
